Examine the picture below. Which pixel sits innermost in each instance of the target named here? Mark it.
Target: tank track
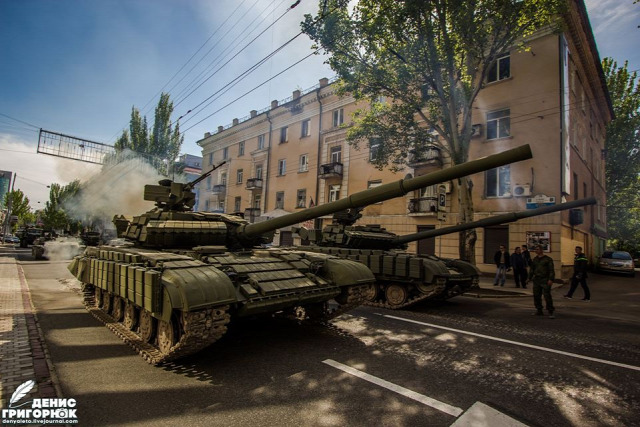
(437, 293)
(201, 329)
(355, 297)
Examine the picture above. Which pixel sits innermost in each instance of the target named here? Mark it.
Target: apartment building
(293, 154)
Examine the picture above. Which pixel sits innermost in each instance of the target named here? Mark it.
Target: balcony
(251, 214)
(219, 189)
(423, 205)
(331, 170)
(427, 156)
(254, 184)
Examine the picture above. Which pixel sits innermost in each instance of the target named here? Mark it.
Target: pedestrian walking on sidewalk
(526, 255)
(519, 268)
(503, 264)
(579, 275)
(542, 275)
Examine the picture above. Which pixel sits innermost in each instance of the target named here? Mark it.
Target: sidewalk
(509, 290)
(22, 352)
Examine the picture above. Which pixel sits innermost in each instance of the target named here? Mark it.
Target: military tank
(404, 279)
(180, 276)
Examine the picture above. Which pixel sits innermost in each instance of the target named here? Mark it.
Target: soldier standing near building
(542, 275)
(579, 275)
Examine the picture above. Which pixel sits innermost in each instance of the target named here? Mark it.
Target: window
(211, 158)
(498, 124)
(259, 171)
(260, 142)
(223, 178)
(306, 128)
(236, 204)
(334, 193)
(280, 200)
(500, 70)
(284, 134)
(206, 206)
(256, 201)
(575, 186)
(584, 189)
(221, 205)
(239, 176)
(498, 182)
(374, 148)
(241, 148)
(336, 154)
(301, 199)
(338, 117)
(304, 163)
(282, 167)
(209, 182)
(225, 153)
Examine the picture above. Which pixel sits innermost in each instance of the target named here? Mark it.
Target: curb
(46, 378)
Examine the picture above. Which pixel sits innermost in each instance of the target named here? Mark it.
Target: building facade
(192, 170)
(293, 155)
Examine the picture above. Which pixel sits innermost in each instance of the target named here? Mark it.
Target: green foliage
(161, 142)
(623, 156)
(19, 204)
(430, 58)
(54, 215)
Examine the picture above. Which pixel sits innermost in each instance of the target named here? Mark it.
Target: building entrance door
(427, 246)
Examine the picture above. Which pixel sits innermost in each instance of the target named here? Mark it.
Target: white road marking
(436, 404)
(481, 415)
(550, 350)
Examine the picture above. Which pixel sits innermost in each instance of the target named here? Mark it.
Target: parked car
(11, 239)
(616, 262)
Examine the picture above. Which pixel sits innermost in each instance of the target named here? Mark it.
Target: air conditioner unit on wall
(522, 190)
(476, 131)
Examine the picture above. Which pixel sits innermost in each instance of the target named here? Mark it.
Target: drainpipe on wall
(318, 160)
(266, 173)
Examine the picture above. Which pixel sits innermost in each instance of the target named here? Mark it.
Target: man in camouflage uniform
(542, 274)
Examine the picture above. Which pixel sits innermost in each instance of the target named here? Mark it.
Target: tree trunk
(467, 239)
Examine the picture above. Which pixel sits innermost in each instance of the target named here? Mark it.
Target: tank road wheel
(130, 316)
(147, 326)
(98, 297)
(425, 288)
(396, 295)
(117, 308)
(167, 336)
(371, 292)
(106, 302)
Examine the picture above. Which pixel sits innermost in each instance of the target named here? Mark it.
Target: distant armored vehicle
(404, 279)
(173, 288)
(28, 235)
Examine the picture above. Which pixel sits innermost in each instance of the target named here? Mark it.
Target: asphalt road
(424, 366)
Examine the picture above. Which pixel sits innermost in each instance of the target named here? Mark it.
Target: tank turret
(178, 277)
(405, 279)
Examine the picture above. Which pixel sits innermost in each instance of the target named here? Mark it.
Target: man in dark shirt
(542, 274)
(519, 268)
(503, 263)
(580, 263)
(526, 255)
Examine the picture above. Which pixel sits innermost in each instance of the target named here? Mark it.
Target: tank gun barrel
(202, 177)
(388, 191)
(496, 220)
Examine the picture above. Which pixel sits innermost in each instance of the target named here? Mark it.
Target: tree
(19, 205)
(431, 58)
(162, 142)
(622, 172)
(54, 216)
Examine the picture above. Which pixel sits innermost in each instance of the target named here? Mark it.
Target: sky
(77, 67)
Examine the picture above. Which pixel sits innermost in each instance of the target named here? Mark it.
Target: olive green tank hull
(168, 305)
